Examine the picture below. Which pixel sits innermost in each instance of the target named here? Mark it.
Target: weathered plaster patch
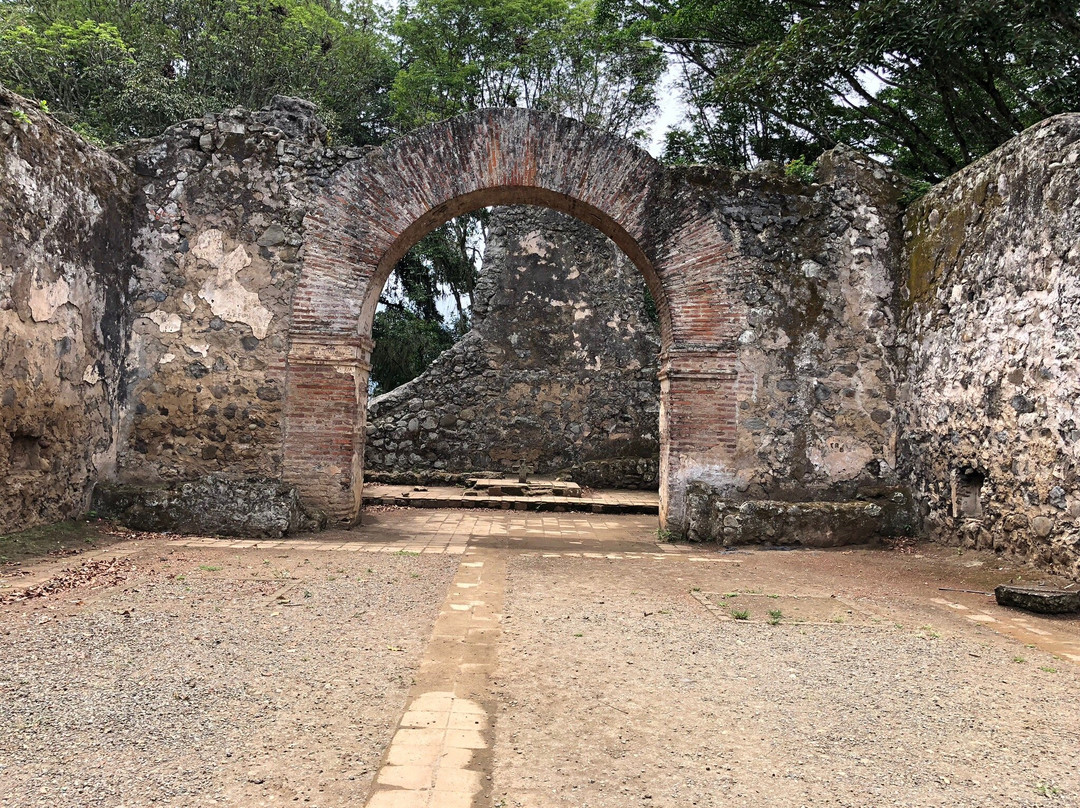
(45, 300)
(167, 323)
(535, 244)
(228, 298)
(840, 459)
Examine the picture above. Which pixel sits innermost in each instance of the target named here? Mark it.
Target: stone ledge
(714, 518)
(213, 505)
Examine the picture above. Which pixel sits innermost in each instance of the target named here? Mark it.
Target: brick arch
(373, 209)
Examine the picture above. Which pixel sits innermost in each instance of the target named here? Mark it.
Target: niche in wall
(967, 486)
(26, 452)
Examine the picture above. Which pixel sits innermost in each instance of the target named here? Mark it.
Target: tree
(129, 68)
(930, 84)
(405, 344)
(409, 323)
(460, 55)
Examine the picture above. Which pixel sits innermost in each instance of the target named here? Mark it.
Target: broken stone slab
(1037, 599)
(536, 488)
(213, 505)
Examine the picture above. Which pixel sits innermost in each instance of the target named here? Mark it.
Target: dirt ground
(594, 667)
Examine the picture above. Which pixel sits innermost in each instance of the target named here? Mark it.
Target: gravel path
(213, 672)
(602, 704)
(259, 678)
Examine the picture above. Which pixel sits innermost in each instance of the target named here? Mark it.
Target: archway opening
(556, 375)
(375, 208)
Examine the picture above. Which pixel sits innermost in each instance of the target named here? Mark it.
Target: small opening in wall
(967, 488)
(25, 452)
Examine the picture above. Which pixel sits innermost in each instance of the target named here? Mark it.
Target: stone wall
(65, 263)
(221, 203)
(559, 370)
(775, 301)
(197, 306)
(816, 398)
(991, 316)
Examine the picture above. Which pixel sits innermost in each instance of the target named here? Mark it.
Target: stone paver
(438, 755)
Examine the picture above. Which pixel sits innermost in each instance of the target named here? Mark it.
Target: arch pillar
(697, 424)
(325, 412)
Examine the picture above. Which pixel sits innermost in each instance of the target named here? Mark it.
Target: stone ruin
(834, 364)
(559, 370)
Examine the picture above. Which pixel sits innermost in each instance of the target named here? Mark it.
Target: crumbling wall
(146, 307)
(992, 345)
(65, 263)
(816, 397)
(558, 371)
(221, 201)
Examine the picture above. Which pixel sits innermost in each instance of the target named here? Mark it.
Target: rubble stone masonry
(991, 340)
(66, 228)
(559, 371)
(199, 304)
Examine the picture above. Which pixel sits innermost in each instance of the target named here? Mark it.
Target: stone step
(558, 504)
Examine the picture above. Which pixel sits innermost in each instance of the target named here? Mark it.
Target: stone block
(213, 505)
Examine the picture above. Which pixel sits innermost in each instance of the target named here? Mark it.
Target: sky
(671, 108)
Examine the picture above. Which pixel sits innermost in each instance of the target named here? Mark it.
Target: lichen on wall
(991, 345)
(65, 263)
(559, 371)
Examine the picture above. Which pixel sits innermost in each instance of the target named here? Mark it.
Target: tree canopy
(460, 55)
(118, 69)
(928, 84)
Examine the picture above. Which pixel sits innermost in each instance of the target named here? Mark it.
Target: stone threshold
(607, 501)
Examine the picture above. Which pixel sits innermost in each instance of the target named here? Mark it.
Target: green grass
(209, 568)
(740, 614)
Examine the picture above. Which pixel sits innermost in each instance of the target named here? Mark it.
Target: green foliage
(929, 84)
(405, 344)
(20, 116)
(460, 55)
(915, 191)
(800, 170)
(127, 69)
